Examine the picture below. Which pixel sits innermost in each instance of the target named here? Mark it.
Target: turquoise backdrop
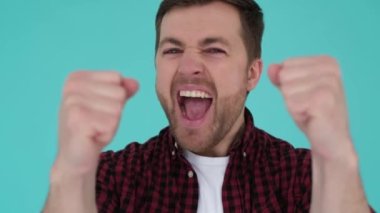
(42, 41)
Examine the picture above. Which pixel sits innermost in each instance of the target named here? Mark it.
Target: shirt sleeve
(117, 178)
(304, 181)
(106, 196)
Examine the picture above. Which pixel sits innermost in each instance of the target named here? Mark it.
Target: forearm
(71, 193)
(337, 185)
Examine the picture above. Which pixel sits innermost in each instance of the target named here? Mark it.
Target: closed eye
(215, 50)
(172, 51)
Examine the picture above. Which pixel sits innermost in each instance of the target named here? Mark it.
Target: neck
(233, 136)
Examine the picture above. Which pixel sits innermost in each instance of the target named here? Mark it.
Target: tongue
(196, 108)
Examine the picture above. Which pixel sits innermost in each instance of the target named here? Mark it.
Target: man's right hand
(90, 113)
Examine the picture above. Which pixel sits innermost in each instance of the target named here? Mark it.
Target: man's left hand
(313, 92)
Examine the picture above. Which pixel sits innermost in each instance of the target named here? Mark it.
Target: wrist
(343, 155)
(62, 173)
(71, 194)
(336, 182)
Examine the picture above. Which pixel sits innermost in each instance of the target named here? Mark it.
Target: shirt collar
(245, 136)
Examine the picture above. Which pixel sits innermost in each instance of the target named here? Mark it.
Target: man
(211, 158)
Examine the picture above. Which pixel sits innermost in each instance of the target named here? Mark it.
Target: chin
(201, 140)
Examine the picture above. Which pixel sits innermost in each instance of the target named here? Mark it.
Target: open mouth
(194, 104)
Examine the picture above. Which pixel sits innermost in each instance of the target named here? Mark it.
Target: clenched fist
(313, 93)
(90, 113)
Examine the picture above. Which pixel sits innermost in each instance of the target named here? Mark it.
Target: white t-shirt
(210, 173)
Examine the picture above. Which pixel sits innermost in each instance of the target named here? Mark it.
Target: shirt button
(176, 145)
(244, 154)
(173, 153)
(190, 174)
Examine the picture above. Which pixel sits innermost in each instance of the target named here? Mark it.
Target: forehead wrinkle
(204, 42)
(171, 40)
(199, 18)
(212, 40)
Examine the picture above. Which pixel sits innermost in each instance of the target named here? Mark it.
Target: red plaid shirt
(264, 174)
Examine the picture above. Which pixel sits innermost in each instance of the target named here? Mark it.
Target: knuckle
(282, 76)
(329, 60)
(114, 110)
(292, 61)
(331, 81)
(120, 93)
(118, 108)
(69, 87)
(285, 91)
(71, 100)
(326, 58)
(291, 104)
(334, 80)
(113, 75)
(78, 74)
(288, 62)
(72, 76)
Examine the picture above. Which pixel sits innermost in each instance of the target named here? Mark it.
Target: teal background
(42, 41)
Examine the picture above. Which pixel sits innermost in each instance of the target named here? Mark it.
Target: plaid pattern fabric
(264, 174)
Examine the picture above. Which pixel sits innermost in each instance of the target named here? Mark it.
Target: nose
(191, 64)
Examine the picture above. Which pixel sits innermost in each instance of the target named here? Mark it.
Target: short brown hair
(251, 17)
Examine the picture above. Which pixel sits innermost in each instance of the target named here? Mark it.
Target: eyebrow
(213, 40)
(205, 42)
(170, 40)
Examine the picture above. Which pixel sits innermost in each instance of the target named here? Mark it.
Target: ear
(254, 73)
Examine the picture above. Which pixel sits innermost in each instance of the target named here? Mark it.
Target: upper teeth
(193, 94)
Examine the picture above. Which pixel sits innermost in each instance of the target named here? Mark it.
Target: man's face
(203, 75)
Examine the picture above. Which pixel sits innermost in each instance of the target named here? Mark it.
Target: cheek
(232, 81)
(164, 76)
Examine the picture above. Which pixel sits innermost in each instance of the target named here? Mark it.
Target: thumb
(131, 86)
(273, 73)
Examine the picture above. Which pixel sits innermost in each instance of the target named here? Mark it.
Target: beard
(225, 113)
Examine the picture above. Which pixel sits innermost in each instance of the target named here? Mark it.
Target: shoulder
(121, 172)
(134, 152)
(278, 150)
(132, 159)
(281, 160)
(289, 168)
